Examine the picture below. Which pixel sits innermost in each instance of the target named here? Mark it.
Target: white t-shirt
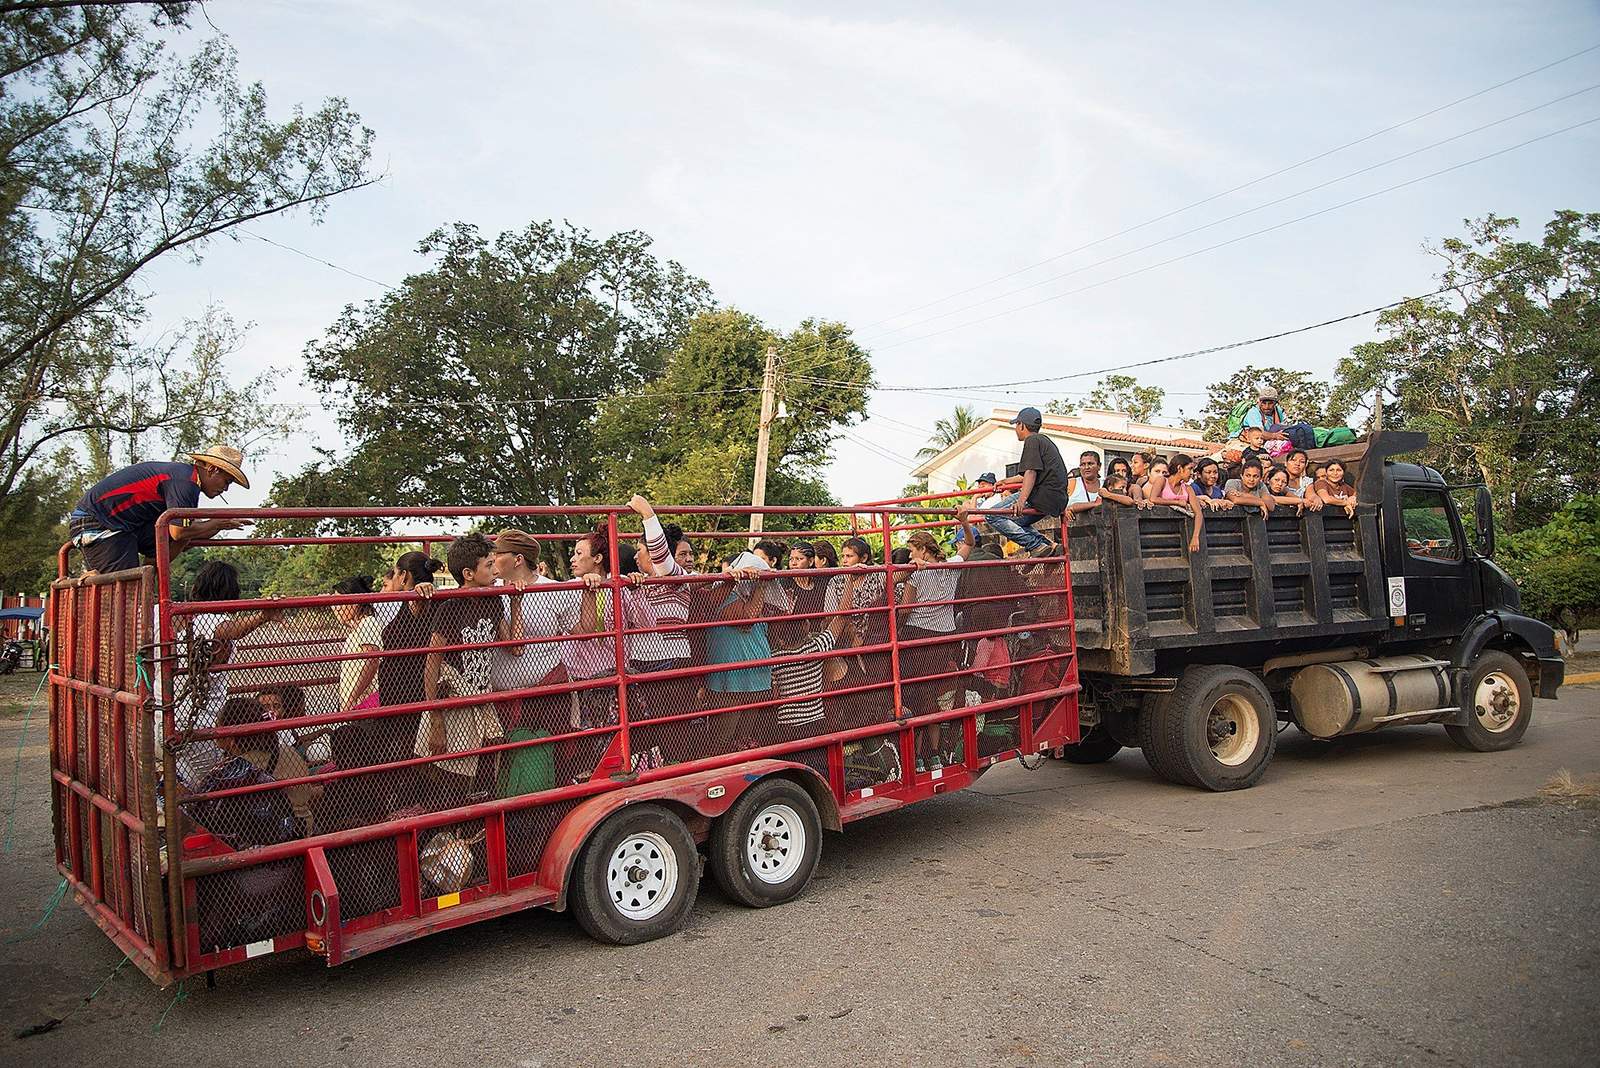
(367, 631)
(206, 693)
(545, 613)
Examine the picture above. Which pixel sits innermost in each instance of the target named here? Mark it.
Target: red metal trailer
(196, 838)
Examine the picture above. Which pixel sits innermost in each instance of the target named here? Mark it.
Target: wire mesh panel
(368, 878)
(250, 905)
(528, 831)
(472, 703)
(102, 756)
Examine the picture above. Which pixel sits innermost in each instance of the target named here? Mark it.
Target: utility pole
(1377, 409)
(769, 391)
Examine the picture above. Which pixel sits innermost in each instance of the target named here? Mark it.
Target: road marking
(1582, 678)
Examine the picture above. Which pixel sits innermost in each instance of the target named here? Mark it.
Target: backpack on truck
(1236, 417)
(1333, 435)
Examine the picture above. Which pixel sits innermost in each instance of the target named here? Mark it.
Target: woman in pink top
(1169, 484)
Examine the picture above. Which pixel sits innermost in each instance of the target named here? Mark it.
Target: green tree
(166, 401)
(1302, 395)
(33, 521)
(688, 437)
(1500, 371)
(116, 152)
(473, 383)
(963, 420)
(1557, 564)
(1123, 393)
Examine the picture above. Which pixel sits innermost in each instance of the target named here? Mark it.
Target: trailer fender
(708, 794)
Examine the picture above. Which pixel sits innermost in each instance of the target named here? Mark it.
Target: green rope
(96, 992)
(49, 911)
(16, 767)
(181, 995)
(50, 1024)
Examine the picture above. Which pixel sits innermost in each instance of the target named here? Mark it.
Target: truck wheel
(1217, 730)
(1096, 747)
(1501, 704)
(765, 848)
(637, 877)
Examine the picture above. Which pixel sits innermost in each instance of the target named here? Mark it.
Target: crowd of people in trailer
(806, 654)
(806, 651)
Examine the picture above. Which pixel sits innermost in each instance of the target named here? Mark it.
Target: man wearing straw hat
(114, 521)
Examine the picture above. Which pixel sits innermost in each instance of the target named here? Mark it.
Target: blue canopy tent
(30, 652)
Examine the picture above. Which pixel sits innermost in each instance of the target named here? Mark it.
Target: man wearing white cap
(1268, 414)
(114, 521)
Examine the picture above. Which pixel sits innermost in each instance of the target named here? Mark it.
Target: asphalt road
(1383, 900)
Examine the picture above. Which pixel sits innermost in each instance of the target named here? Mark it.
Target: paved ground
(1388, 900)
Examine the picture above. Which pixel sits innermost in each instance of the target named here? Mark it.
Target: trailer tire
(764, 850)
(1217, 730)
(637, 877)
(1498, 700)
(1096, 747)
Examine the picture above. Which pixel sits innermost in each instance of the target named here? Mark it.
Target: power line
(1236, 215)
(1244, 237)
(1195, 352)
(1237, 188)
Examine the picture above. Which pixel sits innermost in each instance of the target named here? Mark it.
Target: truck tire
(1096, 747)
(1217, 730)
(1498, 700)
(637, 877)
(765, 848)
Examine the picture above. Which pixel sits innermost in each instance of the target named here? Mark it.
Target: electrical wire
(1186, 355)
(1244, 237)
(1230, 218)
(1238, 188)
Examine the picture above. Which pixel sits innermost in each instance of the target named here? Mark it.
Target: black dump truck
(1338, 623)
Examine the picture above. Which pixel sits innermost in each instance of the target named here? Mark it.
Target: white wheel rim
(1232, 730)
(1496, 703)
(642, 876)
(775, 844)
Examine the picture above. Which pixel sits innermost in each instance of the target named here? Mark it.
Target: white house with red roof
(993, 445)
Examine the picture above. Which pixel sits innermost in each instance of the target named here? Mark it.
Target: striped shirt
(801, 679)
(652, 648)
(668, 601)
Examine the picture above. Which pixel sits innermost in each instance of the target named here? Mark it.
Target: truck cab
(1443, 585)
(1341, 621)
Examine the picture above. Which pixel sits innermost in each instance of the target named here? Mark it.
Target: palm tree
(946, 432)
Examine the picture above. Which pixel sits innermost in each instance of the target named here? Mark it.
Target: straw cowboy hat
(224, 458)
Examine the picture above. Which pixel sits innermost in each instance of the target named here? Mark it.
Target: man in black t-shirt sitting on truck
(1043, 491)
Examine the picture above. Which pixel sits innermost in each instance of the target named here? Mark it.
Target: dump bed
(1142, 599)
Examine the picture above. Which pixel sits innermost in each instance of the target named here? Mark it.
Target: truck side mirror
(1483, 509)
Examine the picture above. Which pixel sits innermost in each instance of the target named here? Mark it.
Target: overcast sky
(857, 161)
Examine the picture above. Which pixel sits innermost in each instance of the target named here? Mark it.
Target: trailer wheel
(1501, 704)
(637, 877)
(1096, 747)
(764, 850)
(1217, 730)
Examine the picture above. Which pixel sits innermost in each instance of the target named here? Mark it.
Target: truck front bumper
(1552, 672)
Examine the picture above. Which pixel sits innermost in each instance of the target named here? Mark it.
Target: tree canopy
(963, 420)
(1302, 394)
(688, 437)
(552, 366)
(478, 380)
(123, 142)
(1500, 371)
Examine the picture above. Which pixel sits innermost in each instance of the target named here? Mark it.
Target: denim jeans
(1019, 528)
